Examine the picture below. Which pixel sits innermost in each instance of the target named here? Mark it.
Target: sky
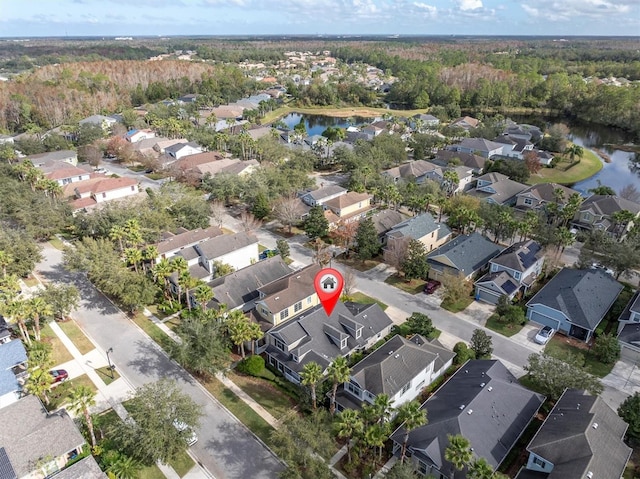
(108, 18)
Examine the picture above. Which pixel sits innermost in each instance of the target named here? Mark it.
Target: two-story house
(135, 136)
(322, 195)
(575, 301)
(581, 438)
(536, 197)
(64, 173)
(414, 171)
(172, 243)
(346, 208)
(183, 149)
(423, 228)
(629, 329)
(514, 147)
(89, 193)
(478, 146)
(452, 158)
(463, 256)
(597, 213)
(287, 297)
(401, 368)
(41, 159)
(13, 369)
(497, 188)
(314, 336)
(384, 221)
(512, 272)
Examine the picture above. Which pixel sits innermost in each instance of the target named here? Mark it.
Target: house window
(79, 178)
(516, 275)
(279, 344)
(104, 195)
(422, 468)
(353, 389)
(343, 343)
(406, 388)
(539, 462)
(295, 358)
(586, 216)
(358, 333)
(132, 188)
(433, 234)
(284, 314)
(297, 307)
(309, 300)
(528, 201)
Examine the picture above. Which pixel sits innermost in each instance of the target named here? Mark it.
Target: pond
(316, 124)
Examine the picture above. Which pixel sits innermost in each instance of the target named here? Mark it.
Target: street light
(111, 366)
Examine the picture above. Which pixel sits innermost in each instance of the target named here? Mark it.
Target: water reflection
(316, 124)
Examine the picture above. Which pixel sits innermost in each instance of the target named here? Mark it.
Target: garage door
(629, 354)
(486, 296)
(543, 320)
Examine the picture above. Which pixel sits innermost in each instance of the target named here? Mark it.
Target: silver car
(544, 335)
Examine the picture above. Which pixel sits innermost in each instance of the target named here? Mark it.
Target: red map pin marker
(328, 283)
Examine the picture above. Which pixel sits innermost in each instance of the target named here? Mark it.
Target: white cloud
(563, 10)
(466, 5)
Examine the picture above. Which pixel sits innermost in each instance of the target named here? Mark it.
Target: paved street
(225, 447)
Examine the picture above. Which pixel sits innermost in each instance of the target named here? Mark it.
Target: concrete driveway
(622, 382)
(227, 449)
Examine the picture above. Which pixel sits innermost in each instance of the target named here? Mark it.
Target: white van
(192, 438)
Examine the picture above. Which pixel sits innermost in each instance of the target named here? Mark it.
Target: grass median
(563, 174)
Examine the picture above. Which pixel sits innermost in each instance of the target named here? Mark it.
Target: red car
(431, 286)
(59, 375)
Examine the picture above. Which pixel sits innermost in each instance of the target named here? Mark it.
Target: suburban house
(288, 297)
(538, 196)
(239, 290)
(135, 136)
(347, 208)
(237, 250)
(483, 402)
(384, 221)
(314, 336)
(470, 160)
(86, 468)
(629, 329)
(186, 165)
(423, 120)
(401, 368)
(36, 444)
(41, 159)
(179, 150)
(5, 332)
(597, 213)
(478, 146)
(523, 131)
(582, 437)
(172, 243)
(414, 171)
(466, 123)
(106, 122)
(160, 145)
(514, 147)
(463, 256)
(423, 228)
(322, 195)
(574, 301)
(13, 370)
(64, 173)
(233, 166)
(511, 272)
(89, 193)
(497, 188)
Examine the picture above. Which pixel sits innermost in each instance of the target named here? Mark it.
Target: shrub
(607, 349)
(253, 365)
(463, 353)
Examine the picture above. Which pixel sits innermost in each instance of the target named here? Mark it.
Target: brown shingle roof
(346, 200)
(285, 292)
(187, 238)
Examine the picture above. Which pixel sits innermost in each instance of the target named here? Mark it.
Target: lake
(316, 124)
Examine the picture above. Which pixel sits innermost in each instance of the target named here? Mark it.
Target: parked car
(190, 435)
(431, 286)
(59, 375)
(544, 335)
(268, 253)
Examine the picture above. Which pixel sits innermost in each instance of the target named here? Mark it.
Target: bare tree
(321, 253)
(218, 211)
(349, 279)
(288, 211)
(91, 154)
(631, 193)
(249, 221)
(395, 253)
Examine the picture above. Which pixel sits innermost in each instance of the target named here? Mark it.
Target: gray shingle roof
(386, 220)
(582, 434)
(12, 353)
(322, 193)
(86, 468)
(29, 434)
(220, 245)
(480, 144)
(419, 226)
(187, 238)
(240, 287)
(607, 205)
(520, 256)
(396, 362)
(485, 403)
(8, 382)
(583, 295)
(545, 191)
(468, 253)
(52, 156)
(6, 469)
(285, 292)
(501, 280)
(467, 159)
(412, 169)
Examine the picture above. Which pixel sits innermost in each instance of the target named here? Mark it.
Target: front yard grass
(589, 165)
(358, 264)
(414, 286)
(56, 243)
(151, 472)
(506, 329)
(59, 394)
(559, 346)
(31, 281)
(59, 353)
(77, 337)
(264, 393)
(152, 330)
(182, 463)
(359, 297)
(240, 409)
(153, 309)
(105, 374)
(457, 306)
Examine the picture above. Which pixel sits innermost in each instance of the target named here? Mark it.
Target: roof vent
(490, 388)
(470, 412)
(466, 371)
(397, 356)
(390, 353)
(277, 298)
(462, 406)
(589, 474)
(595, 425)
(482, 385)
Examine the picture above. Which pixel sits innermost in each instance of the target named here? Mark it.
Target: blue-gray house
(574, 301)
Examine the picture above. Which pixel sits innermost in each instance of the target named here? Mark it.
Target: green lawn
(77, 337)
(358, 264)
(182, 463)
(56, 243)
(458, 305)
(588, 166)
(31, 281)
(558, 347)
(153, 309)
(105, 374)
(59, 354)
(151, 472)
(264, 393)
(261, 248)
(59, 394)
(152, 330)
(359, 297)
(239, 409)
(173, 323)
(414, 286)
(505, 329)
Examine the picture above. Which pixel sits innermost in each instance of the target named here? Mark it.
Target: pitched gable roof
(482, 401)
(469, 160)
(220, 245)
(480, 144)
(606, 205)
(385, 220)
(466, 253)
(322, 193)
(520, 256)
(582, 435)
(582, 295)
(545, 191)
(186, 238)
(284, 292)
(12, 353)
(412, 169)
(346, 200)
(398, 361)
(419, 226)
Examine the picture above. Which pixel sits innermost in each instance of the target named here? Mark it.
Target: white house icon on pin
(329, 283)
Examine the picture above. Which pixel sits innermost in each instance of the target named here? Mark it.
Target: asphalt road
(225, 447)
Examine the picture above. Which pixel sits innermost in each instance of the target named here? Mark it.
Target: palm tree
(480, 469)
(37, 308)
(349, 424)
(6, 259)
(458, 452)
(124, 467)
(375, 436)
(80, 400)
(621, 221)
(161, 272)
(133, 233)
(311, 375)
(382, 408)
(179, 265)
(18, 310)
(573, 151)
(255, 334)
(339, 372)
(133, 256)
(238, 328)
(149, 254)
(203, 294)
(187, 283)
(412, 417)
(39, 384)
(118, 233)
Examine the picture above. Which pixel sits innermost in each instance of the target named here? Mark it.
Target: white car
(192, 438)
(544, 335)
